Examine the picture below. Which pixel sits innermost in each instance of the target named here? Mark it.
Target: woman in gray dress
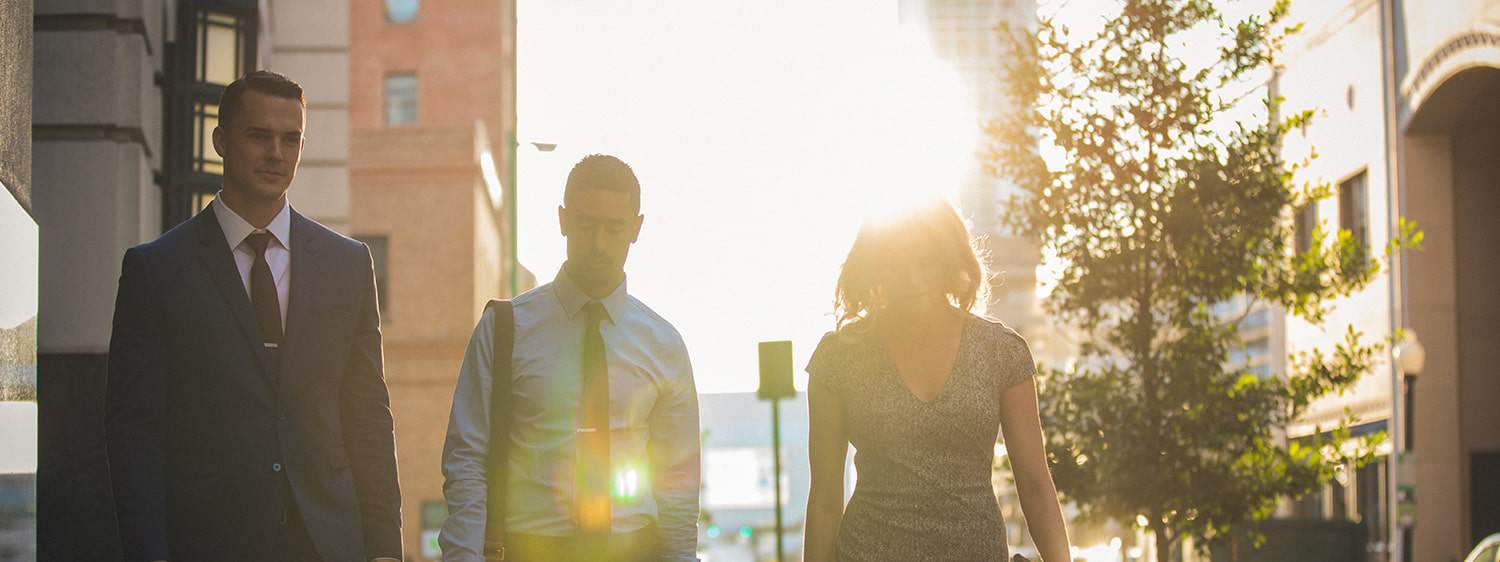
(921, 387)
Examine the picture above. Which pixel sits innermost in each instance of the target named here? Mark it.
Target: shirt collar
(236, 228)
(573, 299)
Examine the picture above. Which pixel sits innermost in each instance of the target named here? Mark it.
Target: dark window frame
(1354, 208)
(188, 177)
(1306, 223)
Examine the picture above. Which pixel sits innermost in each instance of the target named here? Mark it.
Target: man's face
(262, 145)
(600, 226)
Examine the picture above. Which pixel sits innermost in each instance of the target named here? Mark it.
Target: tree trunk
(1163, 544)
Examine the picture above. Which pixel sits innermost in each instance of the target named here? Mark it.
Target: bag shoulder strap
(502, 348)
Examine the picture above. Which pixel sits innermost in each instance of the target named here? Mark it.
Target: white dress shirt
(654, 447)
(278, 253)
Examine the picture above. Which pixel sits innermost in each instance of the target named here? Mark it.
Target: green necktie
(593, 467)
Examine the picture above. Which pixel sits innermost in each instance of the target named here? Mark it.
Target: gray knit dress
(923, 488)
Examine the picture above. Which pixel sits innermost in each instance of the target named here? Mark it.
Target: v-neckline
(885, 352)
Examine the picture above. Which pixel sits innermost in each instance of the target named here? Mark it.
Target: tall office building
(966, 35)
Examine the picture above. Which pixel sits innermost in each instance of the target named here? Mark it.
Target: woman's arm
(1028, 459)
(827, 444)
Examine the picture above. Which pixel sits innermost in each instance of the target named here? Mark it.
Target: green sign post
(776, 384)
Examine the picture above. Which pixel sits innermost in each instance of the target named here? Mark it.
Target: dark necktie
(263, 291)
(593, 467)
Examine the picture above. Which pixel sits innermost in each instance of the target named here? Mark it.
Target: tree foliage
(1162, 206)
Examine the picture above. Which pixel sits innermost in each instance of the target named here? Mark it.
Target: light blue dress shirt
(654, 443)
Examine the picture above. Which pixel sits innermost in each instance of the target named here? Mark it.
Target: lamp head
(1410, 354)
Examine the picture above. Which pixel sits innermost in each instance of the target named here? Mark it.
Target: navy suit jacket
(202, 431)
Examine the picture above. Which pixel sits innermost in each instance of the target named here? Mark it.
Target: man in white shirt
(586, 356)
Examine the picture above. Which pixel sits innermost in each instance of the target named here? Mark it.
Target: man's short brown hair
(263, 81)
(602, 171)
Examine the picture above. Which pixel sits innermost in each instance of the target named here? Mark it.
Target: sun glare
(921, 133)
(757, 168)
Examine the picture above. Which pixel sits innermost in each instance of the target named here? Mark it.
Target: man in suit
(247, 413)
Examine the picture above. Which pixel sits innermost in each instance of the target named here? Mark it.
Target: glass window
(401, 11)
(201, 201)
(1307, 221)
(1256, 320)
(1338, 501)
(1353, 214)
(221, 48)
(217, 43)
(401, 99)
(205, 159)
(1370, 497)
(1258, 347)
(1309, 506)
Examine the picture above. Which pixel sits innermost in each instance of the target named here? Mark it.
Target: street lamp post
(514, 263)
(1411, 357)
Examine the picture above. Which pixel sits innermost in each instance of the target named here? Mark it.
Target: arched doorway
(1451, 146)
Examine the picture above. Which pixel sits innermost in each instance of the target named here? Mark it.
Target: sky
(762, 133)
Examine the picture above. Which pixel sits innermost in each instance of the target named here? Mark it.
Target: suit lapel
(305, 274)
(218, 258)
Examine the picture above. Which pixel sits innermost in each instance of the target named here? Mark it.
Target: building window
(214, 44)
(380, 254)
(221, 48)
(201, 201)
(205, 158)
(1258, 347)
(401, 99)
(401, 11)
(1370, 495)
(1337, 506)
(1306, 223)
(1353, 214)
(1258, 320)
(1309, 506)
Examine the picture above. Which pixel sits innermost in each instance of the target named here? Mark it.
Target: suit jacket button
(276, 467)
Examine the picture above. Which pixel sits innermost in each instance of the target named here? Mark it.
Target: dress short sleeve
(1013, 361)
(822, 367)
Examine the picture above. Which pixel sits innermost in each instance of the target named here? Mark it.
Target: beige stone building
(1410, 95)
(308, 40)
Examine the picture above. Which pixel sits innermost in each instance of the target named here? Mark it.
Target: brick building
(432, 123)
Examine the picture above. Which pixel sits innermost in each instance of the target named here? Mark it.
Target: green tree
(1162, 206)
